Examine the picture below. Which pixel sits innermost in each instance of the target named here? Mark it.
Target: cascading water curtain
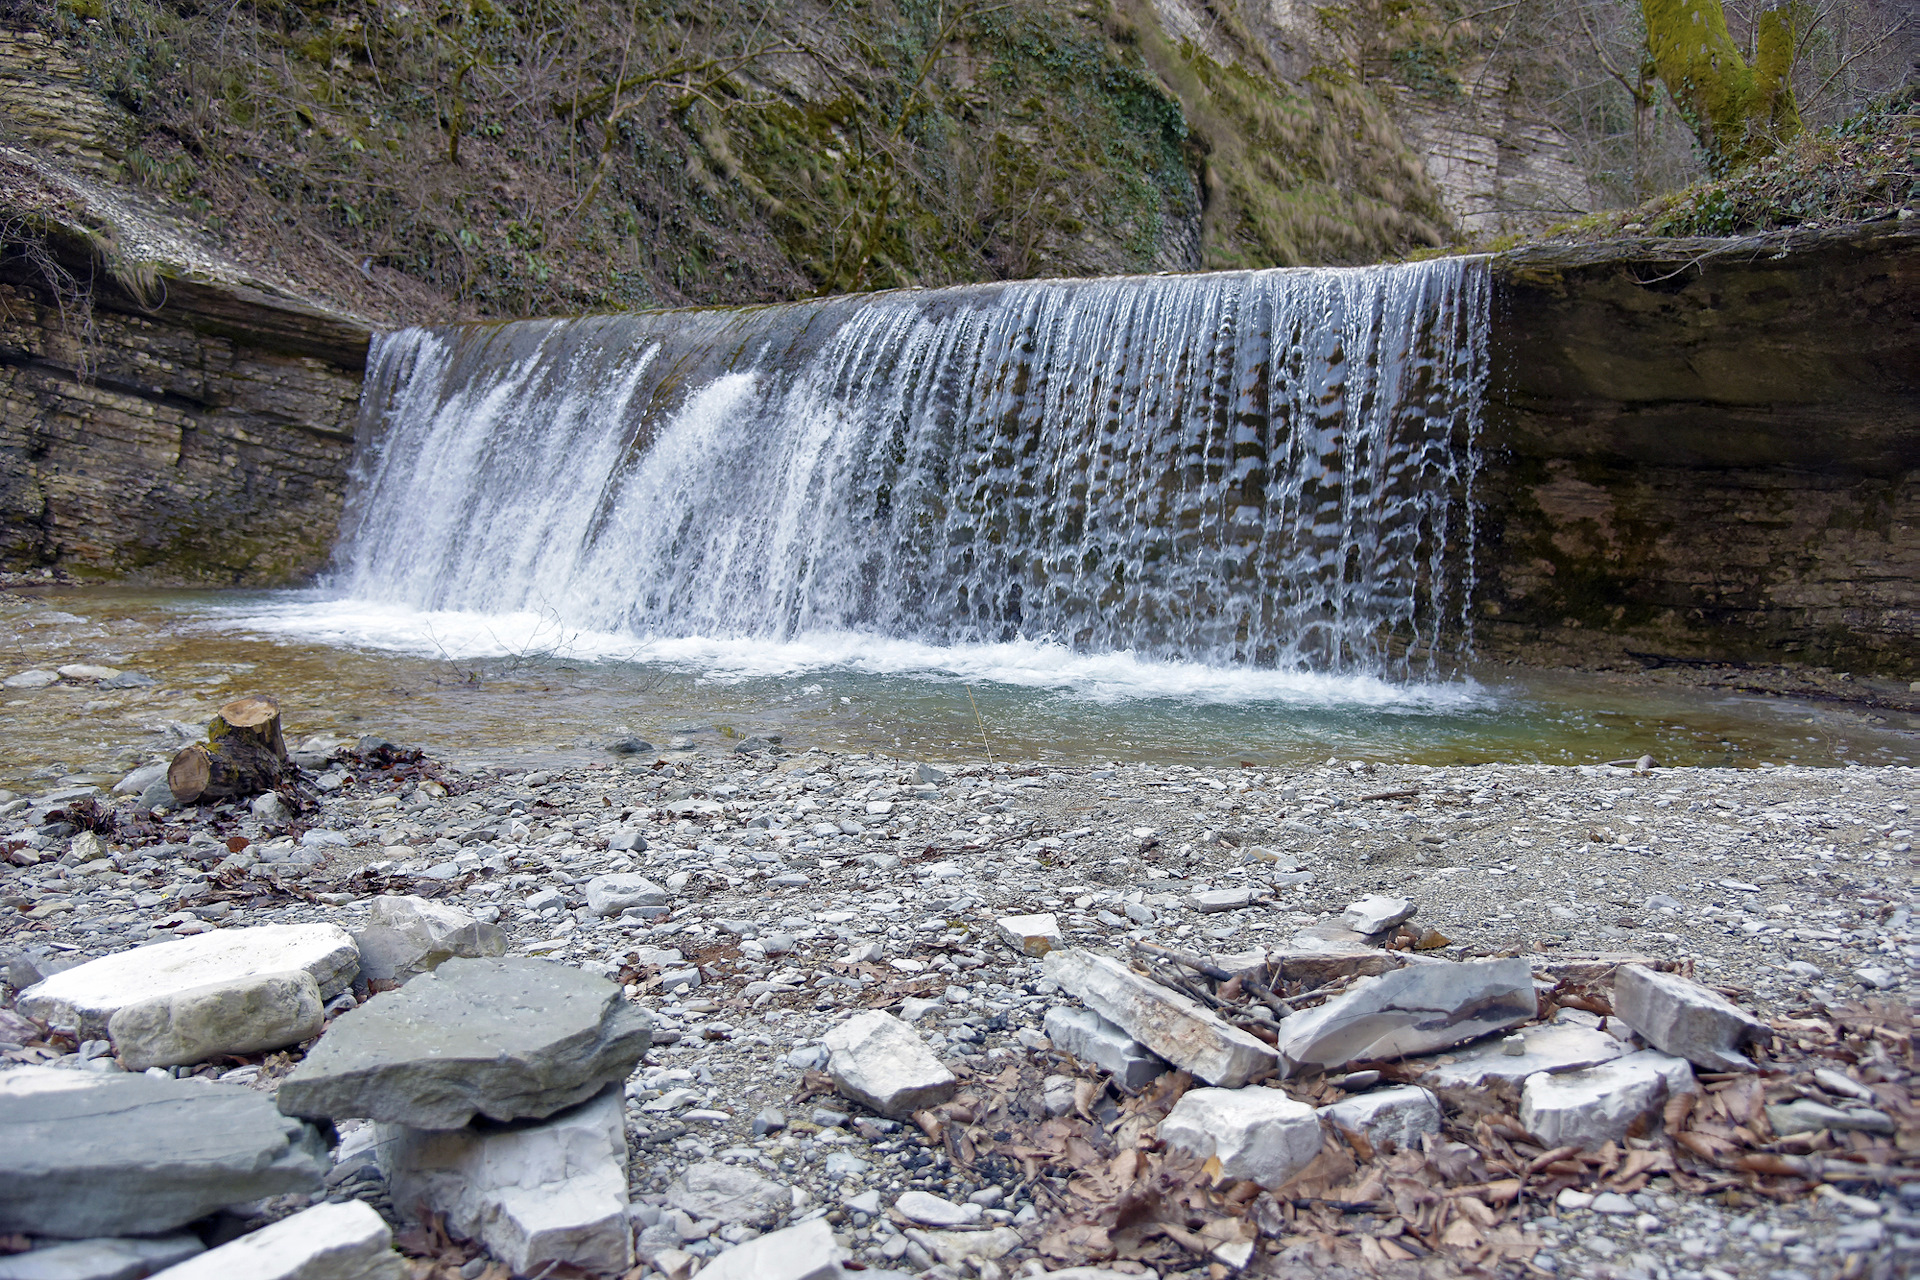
(1264, 467)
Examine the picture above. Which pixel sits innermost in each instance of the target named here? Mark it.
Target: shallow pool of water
(523, 689)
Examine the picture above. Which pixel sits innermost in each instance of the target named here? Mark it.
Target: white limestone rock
(346, 1241)
(1553, 1048)
(246, 1015)
(1208, 901)
(1257, 1134)
(407, 936)
(933, 1211)
(878, 1061)
(1391, 1119)
(1605, 1103)
(550, 1191)
(1376, 913)
(610, 895)
(1418, 1009)
(1685, 1019)
(1091, 1038)
(803, 1252)
(105, 1258)
(85, 997)
(1033, 935)
(728, 1193)
(1168, 1023)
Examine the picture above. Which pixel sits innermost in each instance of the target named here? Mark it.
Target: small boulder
(346, 1241)
(803, 1252)
(1091, 1038)
(1258, 1135)
(407, 936)
(1392, 1119)
(878, 1061)
(1605, 1103)
(84, 998)
(540, 1193)
(934, 1211)
(1418, 1009)
(510, 1039)
(1033, 935)
(729, 1193)
(246, 1015)
(1685, 1019)
(1376, 913)
(610, 895)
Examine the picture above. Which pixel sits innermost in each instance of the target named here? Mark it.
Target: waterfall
(1271, 468)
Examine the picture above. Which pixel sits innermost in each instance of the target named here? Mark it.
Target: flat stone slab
(1686, 1019)
(1091, 1038)
(407, 936)
(728, 1193)
(803, 1252)
(878, 1061)
(550, 1191)
(1033, 935)
(86, 1154)
(610, 895)
(246, 1015)
(1260, 1135)
(85, 997)
(346, 1241)
(1173, 1026)
(1614, 1100)
(1418, 1009)
(1377, 913)
(108, 1258)
(1553, 1048)
(509, 1039)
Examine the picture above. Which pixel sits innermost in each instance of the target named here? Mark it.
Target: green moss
(1740, 112)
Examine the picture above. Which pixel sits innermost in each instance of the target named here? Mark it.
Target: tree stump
(244, 754)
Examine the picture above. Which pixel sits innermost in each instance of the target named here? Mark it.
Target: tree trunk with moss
(1740, 111)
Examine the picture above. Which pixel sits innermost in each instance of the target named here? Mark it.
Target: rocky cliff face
(203, 439)
(1708, 448)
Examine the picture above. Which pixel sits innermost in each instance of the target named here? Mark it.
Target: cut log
(223, 770)
(255, 720)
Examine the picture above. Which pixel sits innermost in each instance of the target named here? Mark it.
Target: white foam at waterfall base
(1019, 664)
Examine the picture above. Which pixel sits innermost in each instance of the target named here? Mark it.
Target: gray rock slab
(87, 1154)
(1033, 935)
(1603, 1104)
(86, 996)
(1392, 1119)
(1211, 900)
(407, 936)
(610, 895)
(1171, 1025)
(346, 1241)
(108, 1258)
(803, 1252)
(1685, 1019)
(1257, 1134)
(1553, 1048)
(1804, 1115)
(1418, 1009)
(246, 1015)
(728, 1193)
(509, 1039)
(1376, 913)
(877, 1060)
(550, 1191)
(1091, 1038)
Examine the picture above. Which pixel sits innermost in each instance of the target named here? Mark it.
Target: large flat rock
(1419, 1009)
(243, 1016)
(85, 998)
(85, 1154)
(509, 1039)
(1173, 1026)
(346, 1241)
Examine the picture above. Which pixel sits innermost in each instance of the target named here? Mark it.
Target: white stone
(728, 1193)
(407, 936)
(877, 1060)
(246, 1015)
(610, 895)
(1555, 1047)
(1091, 1038)
(1685, 1019)
(346, 1241)
(553, 1190)
(1391, 1119)
(140, 779)
(1414, 1010)
(1168, 1023)
(1210, 900)
(1033, 935)
(803, 1252)
(105, 1258)
(85, 997)
(1257, 1134)
(933, 1211)
(1605, 1103)
(30, 680)
(1375, 913)
(87, 671)
(963, 1249)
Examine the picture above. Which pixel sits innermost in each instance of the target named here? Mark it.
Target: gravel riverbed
(804, 886)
